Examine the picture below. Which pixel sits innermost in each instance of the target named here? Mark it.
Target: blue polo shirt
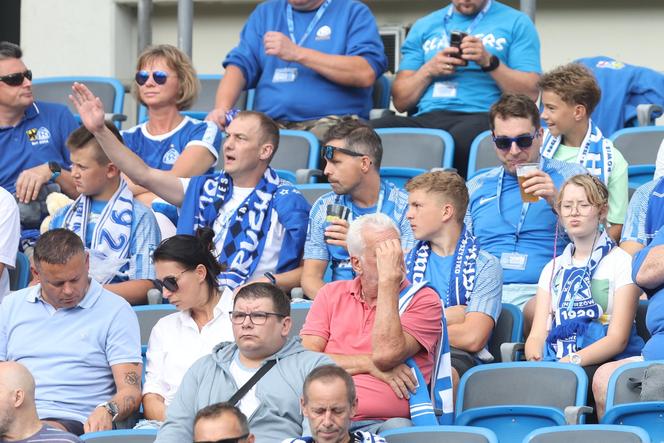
(505, 32)
(69, 351)
(39, 138)
(346, 28)
(494, 220)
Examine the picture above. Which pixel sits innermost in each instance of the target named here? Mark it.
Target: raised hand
(89, 107)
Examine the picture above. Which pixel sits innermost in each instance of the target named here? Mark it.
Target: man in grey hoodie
(261, 322)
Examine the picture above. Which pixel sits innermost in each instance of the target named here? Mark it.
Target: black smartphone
(456, 37)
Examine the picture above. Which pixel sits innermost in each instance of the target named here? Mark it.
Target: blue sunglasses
(159, 77)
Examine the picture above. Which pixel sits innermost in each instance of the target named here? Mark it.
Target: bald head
(15, 376)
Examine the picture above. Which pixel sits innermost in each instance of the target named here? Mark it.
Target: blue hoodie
(209, 381)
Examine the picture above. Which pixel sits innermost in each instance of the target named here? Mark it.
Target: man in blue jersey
(307, 60)
(118, 231)
(640, 227)
(468, 279)
(353, 152)
(452, 85)
(259, 220)
(32, 134)
(521, 235)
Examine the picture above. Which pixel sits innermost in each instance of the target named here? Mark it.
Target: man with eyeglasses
(523, 236)
(261, 324)
(259, 220)
(353, 152)
(222, 423)
(32, 134)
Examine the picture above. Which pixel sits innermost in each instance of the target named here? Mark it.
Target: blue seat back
(121, 436)
(508, 329)
(381, 92)
(639, 145)
(416, 148)
(148, 316)
(588, 433)
(482, 155)
(428, 434)
(57, 90)
(19, 277)
(299, 313)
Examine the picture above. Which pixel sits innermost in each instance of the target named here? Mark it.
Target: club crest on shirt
(170, 156)
(610, 64)
(39, 136)
(324, 33)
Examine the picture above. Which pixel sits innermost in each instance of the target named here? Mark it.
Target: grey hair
(9, 50)
(378, 221)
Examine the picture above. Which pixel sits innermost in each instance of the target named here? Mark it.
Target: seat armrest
(115, 117)
(573, 413)
(647, 113)
(304, 175)
(375, 114)
(508, 351)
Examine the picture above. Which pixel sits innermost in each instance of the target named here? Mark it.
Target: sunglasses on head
(327, 152)
(522, 141)
(170, 282)
(226, 440)
(17, 78)
(159, 77)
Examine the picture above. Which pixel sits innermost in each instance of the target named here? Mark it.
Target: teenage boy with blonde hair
(119, 232)
(569, 96)
(467, 279)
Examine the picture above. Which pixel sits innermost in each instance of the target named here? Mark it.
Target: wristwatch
(55, 170)
(575, 359)
(111, 408)
(494, 62)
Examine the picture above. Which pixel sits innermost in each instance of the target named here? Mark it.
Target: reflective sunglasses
(327, 152)
(170, 282)
(256, 317)
(17, 78)
(226, 440)
(159, 77)
(522, 141)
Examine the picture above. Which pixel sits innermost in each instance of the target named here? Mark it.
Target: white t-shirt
(612, 273)
(10, 234)
(242, 374)
(275, 236)
(176, 343)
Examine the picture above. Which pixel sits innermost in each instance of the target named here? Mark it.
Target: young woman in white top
(586, 300)
(187, 273)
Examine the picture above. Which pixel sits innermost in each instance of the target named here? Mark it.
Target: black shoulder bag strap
(251, 382)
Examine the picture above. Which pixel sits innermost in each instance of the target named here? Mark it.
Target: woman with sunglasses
(186, 269)
(586, 300)
(166, 84)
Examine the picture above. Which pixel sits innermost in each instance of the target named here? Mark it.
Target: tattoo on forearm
(132, 378)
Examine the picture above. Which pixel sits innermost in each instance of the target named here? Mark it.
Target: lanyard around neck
(312, 23)
(471, 27)
(524, 206)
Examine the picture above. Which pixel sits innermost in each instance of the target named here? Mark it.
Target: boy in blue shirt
(467, 279)
(119, 232)
(569, 95)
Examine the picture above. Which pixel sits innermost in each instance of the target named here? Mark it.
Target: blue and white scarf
(576, 314)
(248, 226)
(462, 277)
(655, 212)
(110, 239)
(424, 411)
(355, 437)
(595, 153)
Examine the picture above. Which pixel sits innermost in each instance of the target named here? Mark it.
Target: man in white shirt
(266, 217)
(10, 234)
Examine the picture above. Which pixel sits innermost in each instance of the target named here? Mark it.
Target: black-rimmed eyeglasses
(256, 317)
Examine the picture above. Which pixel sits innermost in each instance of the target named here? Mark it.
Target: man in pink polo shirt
(358, 324)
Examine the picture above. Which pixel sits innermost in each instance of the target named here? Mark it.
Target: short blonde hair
(178, 61)
(596, 192)
(448, 184)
